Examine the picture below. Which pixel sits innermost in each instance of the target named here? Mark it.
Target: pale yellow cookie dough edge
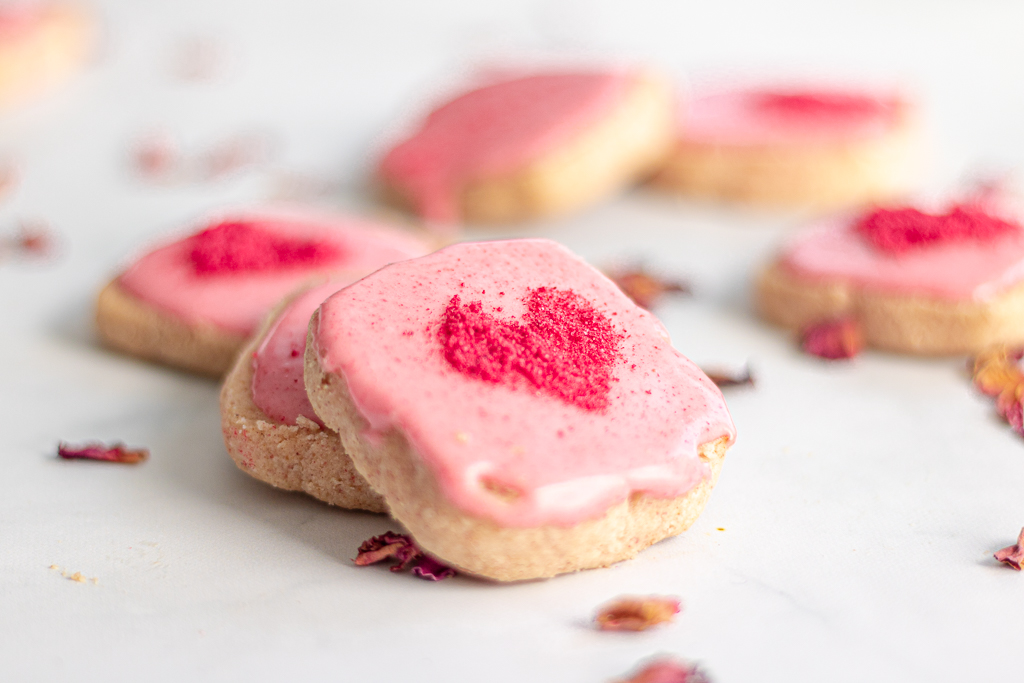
(301, 457)
(479, 546)
(819, 176)
(126, 323)
(907, 324)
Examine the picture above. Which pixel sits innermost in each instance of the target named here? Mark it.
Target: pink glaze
(277, 386)
(496, 129)
(761, 116)
(484, 439)
(18, 19)
(235, 301)
(975, 270)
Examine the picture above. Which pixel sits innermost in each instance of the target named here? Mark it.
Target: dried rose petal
(402, 548)
(98, 451)
(156, 157)
(636, 613)
(668, 670)
(234, 154)
(727, 378)
(34, 239)
(834, 339)
(996, 370)
(1013, 556)
(198, 58)
(646, 289)
(9, 177)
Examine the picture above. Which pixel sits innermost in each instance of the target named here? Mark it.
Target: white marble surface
(860, 505)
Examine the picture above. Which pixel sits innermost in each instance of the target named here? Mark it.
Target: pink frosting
(236, 302)
(277, 386)
(761, 116)
(563, 462)
(17, 19)
(970, 270)
(495, 129)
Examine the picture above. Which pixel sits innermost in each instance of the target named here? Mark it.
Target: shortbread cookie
(518, 413)
(270, 428)
(194, 303)
(793, 147)
(945, 283)
(41, 44)
(532, 146)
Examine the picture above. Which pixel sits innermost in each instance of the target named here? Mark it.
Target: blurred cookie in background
(819, 147)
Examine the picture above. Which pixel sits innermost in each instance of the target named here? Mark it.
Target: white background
(860, 505)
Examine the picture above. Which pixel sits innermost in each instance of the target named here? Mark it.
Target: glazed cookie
(194, 303)
(531, 146)
(41, 44)
(917, 282)
(270, 429)
(793, 147)
(518, 413)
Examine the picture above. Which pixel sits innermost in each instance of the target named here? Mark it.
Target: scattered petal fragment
(644, 288)
(730, 378)
(636, 613)
(834, 339)
(668, 670)
(1013, 556)
(402, 548)
(997, 372)
(98, 451)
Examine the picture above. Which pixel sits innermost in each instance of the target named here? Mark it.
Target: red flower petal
(834, 339)
(98, 451)
(1013, 556)
(636, 613)
(402, 548)
(668, 670)
(646, 289)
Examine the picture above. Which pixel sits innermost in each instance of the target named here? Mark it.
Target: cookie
(519, 414)
(531, 146)
(41, 44)
(821, 148)
(941, 283)
(194, 302)
(270, 429)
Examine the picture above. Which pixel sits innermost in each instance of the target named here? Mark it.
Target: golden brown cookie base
(480, 546)
(625, 146)
(909, 324)
(303, 457)
(129, 324)
(819, 176)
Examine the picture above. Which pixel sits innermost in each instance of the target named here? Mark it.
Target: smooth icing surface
(18, 20)
(493, 130)
(236, 300)
(277, 386)
(522, 451)
(964, 270)
(788, 116)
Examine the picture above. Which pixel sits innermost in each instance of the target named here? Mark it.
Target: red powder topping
(238, 247)
(819, 105)
(899, 230)
(563, 346)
